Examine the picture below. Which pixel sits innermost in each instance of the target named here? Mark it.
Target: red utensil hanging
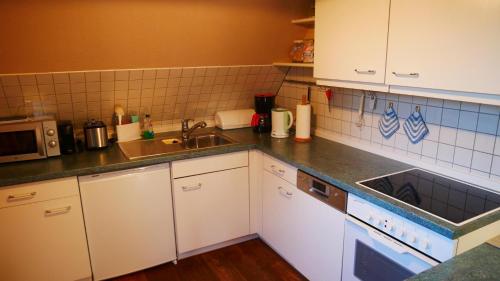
(329, 95)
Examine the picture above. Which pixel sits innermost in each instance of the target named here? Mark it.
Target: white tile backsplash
(445, 152)
(481, 161)
(462, 136)
(484, 143)
(487, 123)
(463, 157)
(169, 94)
(468, 120)
(450, 117)
(495, 166)
(465, 139)
(448, 135)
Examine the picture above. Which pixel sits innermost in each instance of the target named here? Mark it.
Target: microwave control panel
(51, 138)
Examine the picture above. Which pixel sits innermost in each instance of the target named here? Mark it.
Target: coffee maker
(261, 120)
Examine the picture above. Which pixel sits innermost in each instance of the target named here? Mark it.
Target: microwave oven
(28, 138)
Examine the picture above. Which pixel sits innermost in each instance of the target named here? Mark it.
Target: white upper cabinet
(449, 45)
(351, 43)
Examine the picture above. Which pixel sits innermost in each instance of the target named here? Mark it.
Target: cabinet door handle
(191, 188)
(24, 196)
(368, 71)
(285, 192)
(279, 172)
(57, 211)
(411, 74)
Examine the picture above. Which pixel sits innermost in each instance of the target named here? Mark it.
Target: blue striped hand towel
(415, 127)
(389, 123)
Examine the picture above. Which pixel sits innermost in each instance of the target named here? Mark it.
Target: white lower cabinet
(211, 208)
(43, 240)
(303, 230)
(129, 220)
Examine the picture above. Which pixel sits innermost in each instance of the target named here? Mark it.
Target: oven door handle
(386, 241)
(391, 243)
(374, 234)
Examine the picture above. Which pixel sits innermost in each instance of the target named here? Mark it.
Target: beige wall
(65, 35)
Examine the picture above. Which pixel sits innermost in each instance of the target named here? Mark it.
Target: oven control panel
(414, 235)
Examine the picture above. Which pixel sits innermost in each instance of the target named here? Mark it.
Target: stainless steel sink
(145, 148)
(204, 141)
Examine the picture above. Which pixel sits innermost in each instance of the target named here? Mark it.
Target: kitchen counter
(481, 263)
(330, 161)
(96, 161)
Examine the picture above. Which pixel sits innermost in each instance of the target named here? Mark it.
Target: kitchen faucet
(186, 131)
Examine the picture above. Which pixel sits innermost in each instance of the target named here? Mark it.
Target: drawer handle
(280, 172)
(57, 211)
(369, 71)
(411, 74)
(24, 196)
(191, 188)
(285, 192)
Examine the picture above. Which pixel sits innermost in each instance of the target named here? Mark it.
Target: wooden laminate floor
(250, 260)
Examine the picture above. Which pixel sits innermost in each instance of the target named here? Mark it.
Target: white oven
(370, 255)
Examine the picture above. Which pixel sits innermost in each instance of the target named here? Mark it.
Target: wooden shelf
(305, 21)
(294, 64)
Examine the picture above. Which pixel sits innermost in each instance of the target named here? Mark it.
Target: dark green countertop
(333, 162)
(92, 162)
(481, 263)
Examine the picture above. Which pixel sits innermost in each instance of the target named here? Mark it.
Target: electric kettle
(282, 120)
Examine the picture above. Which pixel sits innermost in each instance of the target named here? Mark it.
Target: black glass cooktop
(444, 197)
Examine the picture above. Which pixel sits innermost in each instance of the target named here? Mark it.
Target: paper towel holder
(303, 121)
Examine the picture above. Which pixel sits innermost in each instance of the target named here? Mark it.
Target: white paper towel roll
(303, 122)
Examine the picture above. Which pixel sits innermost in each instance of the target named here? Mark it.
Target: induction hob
(446, 198)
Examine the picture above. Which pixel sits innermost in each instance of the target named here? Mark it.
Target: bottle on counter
(148, 132)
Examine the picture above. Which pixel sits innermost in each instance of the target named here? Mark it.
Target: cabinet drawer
(280, 169)
(38, 191)
(189, 167)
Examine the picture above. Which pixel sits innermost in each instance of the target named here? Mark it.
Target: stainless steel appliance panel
(322, 190)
